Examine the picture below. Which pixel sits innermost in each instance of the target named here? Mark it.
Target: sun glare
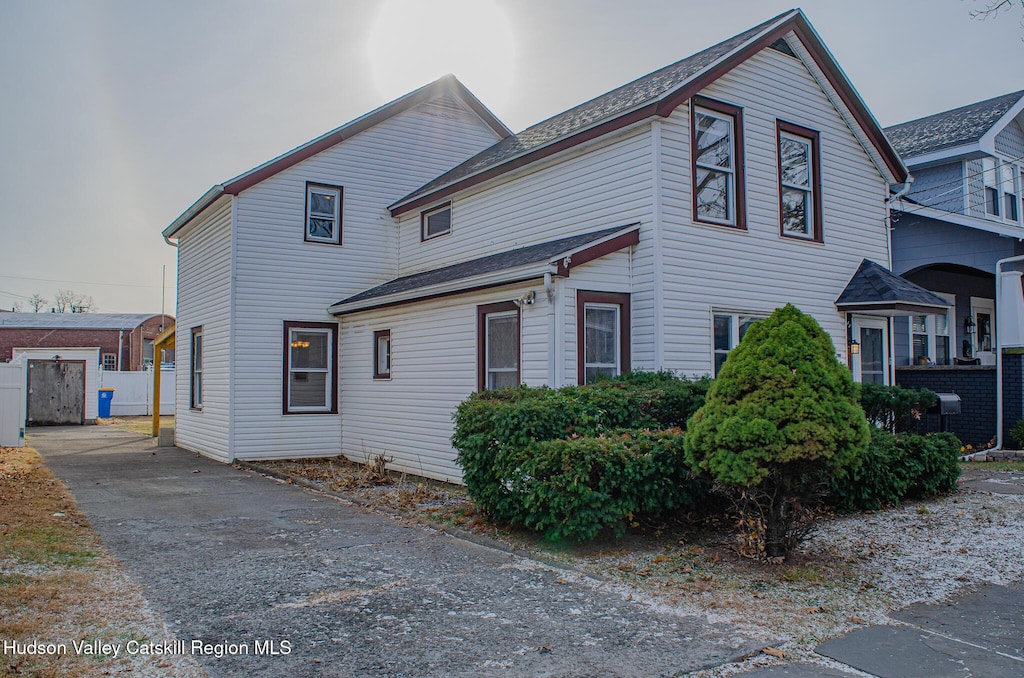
(413, 42)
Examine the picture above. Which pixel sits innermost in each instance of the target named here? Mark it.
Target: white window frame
(617, 364)
(382, 353)
(807, 189)
(732, 205)
(1004, 179)
(113, 362)
(425, 218)
(488, 370)
(734, 332)
(328, 405)
(337, 193)
(196, 369)
(931, 331)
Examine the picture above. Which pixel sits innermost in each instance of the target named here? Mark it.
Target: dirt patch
(60, 588)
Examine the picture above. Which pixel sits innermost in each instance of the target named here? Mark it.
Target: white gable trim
(988, 140)
(963, 220)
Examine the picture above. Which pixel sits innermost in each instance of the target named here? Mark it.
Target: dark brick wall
(1013, 395)
(976, 386)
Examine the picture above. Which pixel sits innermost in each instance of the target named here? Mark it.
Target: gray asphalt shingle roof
(75, 321)
(873, 283)
(522, 256)
(643, 90)
(949, 129)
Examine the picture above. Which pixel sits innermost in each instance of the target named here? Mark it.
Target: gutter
(903, 191)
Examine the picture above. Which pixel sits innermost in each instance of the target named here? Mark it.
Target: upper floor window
(799, 182)
(323, 213)
(1002, 182)
(717, 143)
(310, 368)
(436, 221)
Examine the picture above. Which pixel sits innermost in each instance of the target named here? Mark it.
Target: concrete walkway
(231, 558)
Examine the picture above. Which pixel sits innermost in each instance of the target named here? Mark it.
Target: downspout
(549, 291)
(999, 352)
(903, 191)
(120, 351)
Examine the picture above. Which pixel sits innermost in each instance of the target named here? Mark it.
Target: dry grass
(59, 585)
(141, 424)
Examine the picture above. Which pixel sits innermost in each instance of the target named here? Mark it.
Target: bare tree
(68, 301)
(994, 8)
(37, 302)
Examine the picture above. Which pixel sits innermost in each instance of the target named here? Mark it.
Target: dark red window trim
(736, 113)
(377, 335)
(341, 212)
(192, 405)
(583, 298)
(423, 221)
(332, 375)
(481, 340)
(814, 137)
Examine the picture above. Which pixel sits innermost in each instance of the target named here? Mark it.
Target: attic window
(436, 221)
(781, 45)
(323, 213)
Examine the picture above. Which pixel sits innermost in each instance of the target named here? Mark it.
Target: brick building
(125, 339)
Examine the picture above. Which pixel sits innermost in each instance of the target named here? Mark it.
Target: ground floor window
(310, 368)
(930, 340)
(196, 370)
(382, 354)
(109, 362)
(729, 330)
(602, 335)
(499, 345)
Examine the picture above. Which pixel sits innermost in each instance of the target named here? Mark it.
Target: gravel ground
(854, 571)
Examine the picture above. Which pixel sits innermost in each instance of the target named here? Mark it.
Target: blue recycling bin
(106, 396)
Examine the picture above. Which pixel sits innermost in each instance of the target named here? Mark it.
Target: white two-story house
(347, 296)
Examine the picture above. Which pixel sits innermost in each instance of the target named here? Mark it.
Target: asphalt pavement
(274, 580)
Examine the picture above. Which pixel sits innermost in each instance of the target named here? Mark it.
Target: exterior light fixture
(969, 324)
(854, 347)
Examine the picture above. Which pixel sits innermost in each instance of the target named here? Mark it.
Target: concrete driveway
(229, 558)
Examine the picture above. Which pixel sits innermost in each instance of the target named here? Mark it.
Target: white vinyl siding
(757, 269)
(280, 277)
(204, 299)
(610, 185)
(434, 371)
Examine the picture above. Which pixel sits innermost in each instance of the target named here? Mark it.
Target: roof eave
(194, 210)
(943, 155)
(962, 220)
(449, 288)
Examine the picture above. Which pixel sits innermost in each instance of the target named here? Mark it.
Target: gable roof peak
(657, 93)
(446, 84)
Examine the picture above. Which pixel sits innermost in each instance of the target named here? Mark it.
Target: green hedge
(894, 468)
(494, 427)
(895, 409)
(573, 489)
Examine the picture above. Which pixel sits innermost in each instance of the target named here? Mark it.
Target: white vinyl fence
(133, 392)
(12, 404)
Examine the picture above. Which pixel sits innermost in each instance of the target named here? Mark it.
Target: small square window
(323, 213)
(437, 221)
(382, 354)
(109, 362)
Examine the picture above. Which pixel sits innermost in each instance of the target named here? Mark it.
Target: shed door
(56, 392)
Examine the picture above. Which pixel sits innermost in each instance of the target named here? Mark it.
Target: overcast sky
(117, 115)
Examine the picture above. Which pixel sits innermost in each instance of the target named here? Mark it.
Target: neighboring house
(125, 340)
(346, 296)
(961, 214)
